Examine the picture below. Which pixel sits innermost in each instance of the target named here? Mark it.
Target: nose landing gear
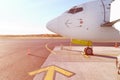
(88, 51)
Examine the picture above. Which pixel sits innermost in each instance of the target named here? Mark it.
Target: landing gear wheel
(88, 51)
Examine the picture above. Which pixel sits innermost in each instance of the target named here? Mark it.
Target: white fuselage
(84, 22)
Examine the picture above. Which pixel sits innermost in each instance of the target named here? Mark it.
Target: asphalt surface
(20, 56)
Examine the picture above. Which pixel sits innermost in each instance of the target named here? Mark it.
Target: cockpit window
(75, 10)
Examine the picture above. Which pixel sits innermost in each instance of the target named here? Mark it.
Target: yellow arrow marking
(51, 70)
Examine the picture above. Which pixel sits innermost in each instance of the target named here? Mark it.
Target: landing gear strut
(88, 51)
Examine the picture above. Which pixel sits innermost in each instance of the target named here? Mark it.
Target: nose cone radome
(52, 26)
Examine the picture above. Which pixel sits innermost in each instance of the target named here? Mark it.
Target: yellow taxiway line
(50, 72)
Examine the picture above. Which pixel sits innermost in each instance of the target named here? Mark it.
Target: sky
(31, 16)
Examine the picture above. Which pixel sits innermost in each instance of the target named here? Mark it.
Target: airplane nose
(52, 26)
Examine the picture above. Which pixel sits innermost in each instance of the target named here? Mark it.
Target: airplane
(86, 23)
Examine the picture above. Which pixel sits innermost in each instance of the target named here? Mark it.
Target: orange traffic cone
(116, 45)
(28, 52)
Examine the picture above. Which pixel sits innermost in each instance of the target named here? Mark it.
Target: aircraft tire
(88, 51)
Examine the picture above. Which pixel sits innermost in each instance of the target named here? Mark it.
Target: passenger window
(75, 10)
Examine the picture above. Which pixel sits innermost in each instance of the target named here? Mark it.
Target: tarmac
(69, 63)
(20, 56)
